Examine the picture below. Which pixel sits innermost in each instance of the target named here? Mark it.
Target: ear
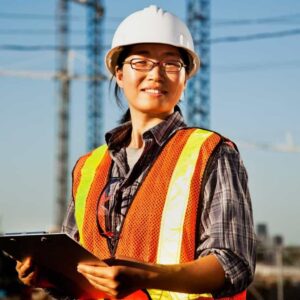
(119, 76)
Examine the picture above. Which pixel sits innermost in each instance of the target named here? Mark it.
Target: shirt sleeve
(69, 225)
(226, 220)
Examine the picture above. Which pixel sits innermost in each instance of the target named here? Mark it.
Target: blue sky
(254, 98)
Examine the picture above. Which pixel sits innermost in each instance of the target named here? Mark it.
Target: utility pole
(95, 13)
(95, 107)
(95, 87)
(63, 110)
(278, 245)
(198, 91)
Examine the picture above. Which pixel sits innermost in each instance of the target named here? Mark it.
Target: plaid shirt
(226, 222)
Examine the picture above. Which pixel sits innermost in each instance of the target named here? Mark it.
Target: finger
(108, 284)
(23, 262)
(30, 279)
(25, 269)
(100, 284)
(18, 265)
(95, 263)
(95, 277)
(98, 271)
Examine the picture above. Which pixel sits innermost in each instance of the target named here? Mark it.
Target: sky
(254, 101)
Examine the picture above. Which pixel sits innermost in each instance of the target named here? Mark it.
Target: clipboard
(57, 255)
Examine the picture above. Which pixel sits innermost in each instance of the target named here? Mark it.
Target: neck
(140, 124)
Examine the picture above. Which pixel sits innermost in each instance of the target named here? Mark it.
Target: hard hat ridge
(152, 25)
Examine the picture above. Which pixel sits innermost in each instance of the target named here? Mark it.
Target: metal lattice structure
(63, 109)
(95, 90)
(95, 12)
(198, 91)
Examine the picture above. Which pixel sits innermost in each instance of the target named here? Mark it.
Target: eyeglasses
(103, 217)
(145, 65)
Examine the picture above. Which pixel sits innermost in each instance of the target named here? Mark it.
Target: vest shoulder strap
(84, 174)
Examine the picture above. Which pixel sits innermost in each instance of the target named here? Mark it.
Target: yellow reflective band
(169, 245)
(87, 175)
(171, 232)
(166, 295)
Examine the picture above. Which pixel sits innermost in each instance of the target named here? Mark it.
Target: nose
(156, 72)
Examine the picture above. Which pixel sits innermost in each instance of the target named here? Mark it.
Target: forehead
(149, 49)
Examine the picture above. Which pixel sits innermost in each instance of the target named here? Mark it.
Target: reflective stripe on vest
(174, 211)
(87, 176)
(177, 199)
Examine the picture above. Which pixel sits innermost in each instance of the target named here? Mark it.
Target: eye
(172, 66)
(172, 63)
(140, 62)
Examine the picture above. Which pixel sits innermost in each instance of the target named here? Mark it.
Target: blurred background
(56, 105)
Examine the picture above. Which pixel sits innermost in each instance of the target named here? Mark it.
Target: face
(153, 92)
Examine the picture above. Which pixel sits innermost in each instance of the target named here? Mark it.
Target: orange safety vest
(160, 225)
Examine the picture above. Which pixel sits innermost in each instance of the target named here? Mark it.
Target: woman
(172, 197)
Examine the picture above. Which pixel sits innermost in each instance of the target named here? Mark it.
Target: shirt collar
(119, 136)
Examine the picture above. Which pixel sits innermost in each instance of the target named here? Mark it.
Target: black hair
(186, 59)
(119, 64)
(125, 117)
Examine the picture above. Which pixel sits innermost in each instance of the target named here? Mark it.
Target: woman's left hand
(203, 275)
(116, 281)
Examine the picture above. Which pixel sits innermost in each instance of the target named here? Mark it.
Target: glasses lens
(172, 66)
(141, 64)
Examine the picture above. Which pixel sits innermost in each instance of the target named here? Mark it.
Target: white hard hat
(152, 25)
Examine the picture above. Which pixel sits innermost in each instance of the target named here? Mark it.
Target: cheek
(131, 85)
(130, 79)
(179, 85)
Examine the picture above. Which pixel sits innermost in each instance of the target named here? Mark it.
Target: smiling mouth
(154, 91)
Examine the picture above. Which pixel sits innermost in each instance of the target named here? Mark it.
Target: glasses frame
(161, 63)
(103, 232)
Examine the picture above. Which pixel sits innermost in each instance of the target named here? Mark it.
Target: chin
(152, 109)
(157, 112)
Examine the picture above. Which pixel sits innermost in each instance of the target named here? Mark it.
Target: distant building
(277, 270)
(265, 248)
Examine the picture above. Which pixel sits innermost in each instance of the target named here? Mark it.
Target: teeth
(153, 91)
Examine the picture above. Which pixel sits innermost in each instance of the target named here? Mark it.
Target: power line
(218, 40)
(47, 75)
(279, 19)
(256, 66)
(45, 17)
(35, 31)
(40, 47)
(217, 22)
(34, 16)
(255, 36)
(42, 32)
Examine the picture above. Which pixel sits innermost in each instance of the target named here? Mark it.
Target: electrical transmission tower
(198, 92)
(95, 11)
(95, 69)
(63, 111)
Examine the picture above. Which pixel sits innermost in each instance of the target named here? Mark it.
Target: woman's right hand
(27, 272)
